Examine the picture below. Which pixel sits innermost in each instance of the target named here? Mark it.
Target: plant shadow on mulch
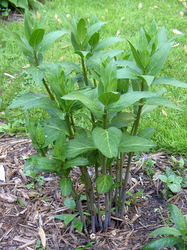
(27, 214)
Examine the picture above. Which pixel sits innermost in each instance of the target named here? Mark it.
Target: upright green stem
(98, 200)
(70, 126)
(43, 80)
(84, 71)
(90, 196)
(80, 209)
(125, 182)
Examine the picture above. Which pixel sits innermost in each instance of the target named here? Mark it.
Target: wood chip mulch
(27, 214)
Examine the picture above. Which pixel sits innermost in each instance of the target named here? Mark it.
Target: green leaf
(177, 217)
(21, 4)
(43, 164)
(107, 140)
(65, 186)
(50, 38)
(147, 133)
(162, 243)
(36, 37)
(122, 119)
(136, 56)
(31, 100)
(103, 183)
(149, 79)
(28, 168)
(165, 230)
(106, 43)
(135, 144)
(128, 99)
(163, 178)
(94, 107)
(79, 161)
(174, 187)
(70, 203)
(94, 28)
(74, 42)
(77, 224)
(158, 59)
(109, 98)
(126, 73)
(161, 101)
(27, 25)
(94, 39)
(67, 218)
(60, 148)
(79, 145)
(53, 128)
(81, 30)
(169, 81)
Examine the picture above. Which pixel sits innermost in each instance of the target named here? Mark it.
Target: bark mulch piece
(27, 214)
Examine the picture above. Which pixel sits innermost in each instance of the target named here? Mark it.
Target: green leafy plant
(23, 4)
(110, 94)
(178, 238)
(134, 197)
(172, 182)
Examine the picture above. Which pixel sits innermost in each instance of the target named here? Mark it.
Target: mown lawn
(124, 19)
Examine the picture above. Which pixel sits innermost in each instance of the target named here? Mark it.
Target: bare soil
(27, 214)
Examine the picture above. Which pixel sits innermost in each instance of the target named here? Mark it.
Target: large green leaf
(174, 187)
(103, 183)
(65, 186)
(122, 119)
(165, 231)
(107, 140)
(177, 217)
(135, 144)
(106, 43)
(136, 56)
(94, 39)
(147, 133)
(60, 147)
(21, 4)
(126, 73)
(94, 107)
(31, 100)
(28, 25)
(149, 79)
(77, 224)
(169, 81)
(53, 128)
(50, 38)
(95, 28)
(79, 145)
(162, 243)
(79, 161)
(67, 218)
(158, 59)
(43, 164)
(81, 30)
(161, 101)
(36, 37)
(128, 99)
(109, 97)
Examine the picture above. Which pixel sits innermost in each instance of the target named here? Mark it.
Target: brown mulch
(27, 214)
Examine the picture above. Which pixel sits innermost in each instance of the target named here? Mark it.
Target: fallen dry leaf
(8, 198)
(140, 6)
(42, 236)
(2, 173)
(177, 32)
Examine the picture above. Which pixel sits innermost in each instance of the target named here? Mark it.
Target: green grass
(123, 17)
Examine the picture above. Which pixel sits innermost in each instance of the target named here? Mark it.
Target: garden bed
(27, 214)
